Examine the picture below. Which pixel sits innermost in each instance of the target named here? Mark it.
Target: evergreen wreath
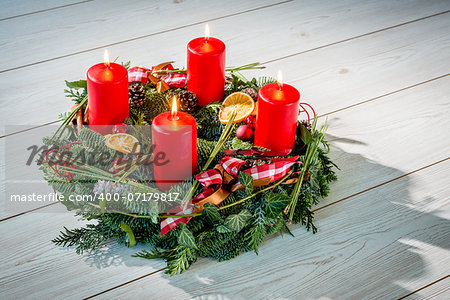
(239, 224)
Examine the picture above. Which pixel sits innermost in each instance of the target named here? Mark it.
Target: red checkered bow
(170, 223)
(138, 74)
(175, 79)
(212, 180)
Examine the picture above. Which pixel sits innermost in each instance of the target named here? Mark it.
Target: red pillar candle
(174, 136)
(206, 68)
(107, 85)
(276, 122)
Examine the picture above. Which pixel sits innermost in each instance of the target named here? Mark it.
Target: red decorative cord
(303, 109)
(58, 166)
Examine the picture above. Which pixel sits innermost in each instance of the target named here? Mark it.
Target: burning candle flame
(106, 58)
(174, 108)
(207, 33)
(280, 79)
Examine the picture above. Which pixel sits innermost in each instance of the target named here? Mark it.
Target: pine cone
(188, 101)
(250, 163)
(111, 187)
(136, 94)
(304, 123)
(252, 92)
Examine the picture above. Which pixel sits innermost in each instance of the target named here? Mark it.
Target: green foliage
(77, 90)
(255, 236)
(186, 238)
(80, 84)
(210, 212)
(218, 233)
(239, 82)
(276, 203)
(180, 259)
(246, 180)
(305, 135)
(236, 222)
(130, 235)
(85, 239)
(93, 141)
(208, 124)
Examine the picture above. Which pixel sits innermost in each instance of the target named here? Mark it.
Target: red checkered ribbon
(138, 74)
(212, 180)
(232, 165)
(170, 223)
(209, 178)
(275, 170)
(175, 79)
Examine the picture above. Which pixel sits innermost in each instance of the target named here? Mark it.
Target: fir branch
(252, 66)
(90, 238)
(311, 149)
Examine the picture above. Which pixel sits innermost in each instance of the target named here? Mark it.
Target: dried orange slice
(123, 142)
(240, 103)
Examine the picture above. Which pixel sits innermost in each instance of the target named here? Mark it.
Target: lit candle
(276, 122)
(206, 68)
(174, 136)
(107, 85)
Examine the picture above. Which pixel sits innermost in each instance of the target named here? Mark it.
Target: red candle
(174, 135)
(107, 85)
(206, 68)
(276, 122)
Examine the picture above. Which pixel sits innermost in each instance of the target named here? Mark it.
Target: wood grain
(436, 290)
(388, 241)
(19, 9)
(34, 268)
(366, 158)
(297, 26)
(378, 245)
(100, 23)
(376, 65)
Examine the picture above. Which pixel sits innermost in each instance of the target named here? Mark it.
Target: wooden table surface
(377, 69)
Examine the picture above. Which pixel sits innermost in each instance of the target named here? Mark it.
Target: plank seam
(314, 210)
(28, 211)
(385, 95)
(355, 37)
(28, 129)
(45, 10)
(381, 184)
(145, 36)
(125, 283)
(424, 287)
(326, 114)
(366, 101)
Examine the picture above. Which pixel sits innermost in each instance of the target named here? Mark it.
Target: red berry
(120, 128)
(118, 161)
(244, 132)
(251, 120)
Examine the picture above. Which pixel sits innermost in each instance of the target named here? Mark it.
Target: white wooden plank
(97, 23)
(43, 94)
(14, 8)
(49, 271)
(378, 67)
(438, 290)
(376, 160)
(379, 245)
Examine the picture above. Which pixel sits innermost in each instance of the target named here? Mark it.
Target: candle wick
(280, 85)
(175, 116)
(107, 64)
